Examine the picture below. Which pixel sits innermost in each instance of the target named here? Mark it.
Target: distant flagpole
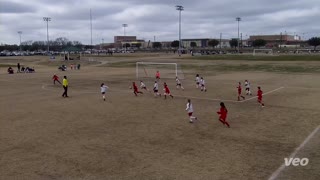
(91, 28)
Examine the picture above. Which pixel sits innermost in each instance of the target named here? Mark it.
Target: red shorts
(157, 77)
(239, 92)
(259, 99)
(190, 113)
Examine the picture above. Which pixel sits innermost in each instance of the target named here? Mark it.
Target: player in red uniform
(223, 114)
(259, 94)
(55, 78)
(239, 92)
(135, 89)
(157, 75)
(166, 91)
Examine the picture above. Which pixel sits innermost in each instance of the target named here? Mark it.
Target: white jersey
(155, 86)
(142, 85)
(247, 84)
(197, 79)
(202, 82)
(178, 81)
(189, 108)
(104, 88)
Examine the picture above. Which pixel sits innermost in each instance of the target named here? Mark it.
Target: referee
(65, 86)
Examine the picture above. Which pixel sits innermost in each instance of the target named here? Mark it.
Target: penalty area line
(209, 99)
(224, 100)
(269, 92)
(276, 173)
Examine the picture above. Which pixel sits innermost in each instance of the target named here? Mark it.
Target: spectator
(10, 70)
(18, 65)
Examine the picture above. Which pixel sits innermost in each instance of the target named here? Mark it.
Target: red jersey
(157, 75)
(135, 88)
(166, 89)
(259, 93)
(55, 77)
(223, 113)
(239, 89)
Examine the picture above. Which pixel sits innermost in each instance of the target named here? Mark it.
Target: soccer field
(45, 136)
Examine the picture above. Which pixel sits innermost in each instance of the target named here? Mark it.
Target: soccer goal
(303, 51)
(262, 52)
(166, 70)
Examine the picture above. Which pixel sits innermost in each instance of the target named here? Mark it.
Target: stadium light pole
(238, 19)
(47, 19)
(124, 36)
(20, 32)
(220, 41)
(179, 8)
(102, 43)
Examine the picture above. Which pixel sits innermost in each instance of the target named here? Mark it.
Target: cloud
(15, 8)
(149, 18)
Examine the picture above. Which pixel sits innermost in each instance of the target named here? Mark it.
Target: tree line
(61, 43)
(55, 45)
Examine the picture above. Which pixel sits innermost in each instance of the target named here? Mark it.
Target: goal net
(262, 52)
(166, 70)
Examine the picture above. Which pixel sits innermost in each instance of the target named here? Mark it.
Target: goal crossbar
(155, 63)
(269, 50)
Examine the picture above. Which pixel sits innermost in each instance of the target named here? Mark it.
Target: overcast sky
(149, 18)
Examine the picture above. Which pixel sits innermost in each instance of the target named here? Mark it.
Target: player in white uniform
(179, 85)
(203, 85)
(189, 109)
(156, 89)
(103, 91)
(247, 85)
(197, 81)
(143, 86)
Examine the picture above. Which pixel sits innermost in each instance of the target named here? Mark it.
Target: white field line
(209, 99)
(225, 100)
(269, 92)
(276, 173)
(44, 87)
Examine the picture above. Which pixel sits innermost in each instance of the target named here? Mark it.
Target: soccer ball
(130, 87)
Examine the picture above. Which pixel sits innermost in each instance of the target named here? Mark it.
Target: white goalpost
(264, 51)
(303, 50)
(149, 69)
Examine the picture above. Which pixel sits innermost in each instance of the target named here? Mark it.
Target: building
(199, 42)
(277, 40)
(120, 39)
